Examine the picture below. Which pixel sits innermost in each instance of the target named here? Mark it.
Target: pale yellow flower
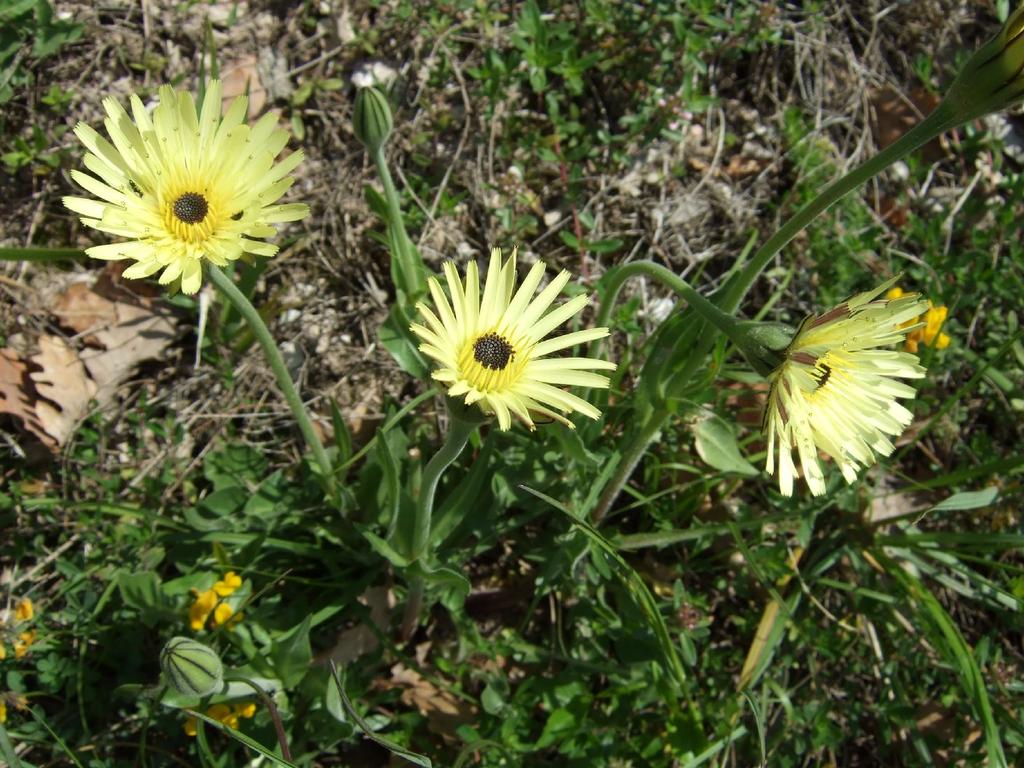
(492, 349)
(183, 186)
(837, 389)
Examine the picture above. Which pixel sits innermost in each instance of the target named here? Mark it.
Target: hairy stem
(940, 120)
(284, 380)
(275, 716)
(630, 459)
(409, 275)
(455, 441)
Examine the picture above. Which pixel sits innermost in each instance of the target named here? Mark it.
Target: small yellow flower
(228, 584)
(25, 640)
(200, 610)
(930, 334)
(222, 613)
(25, 610)
(492, 350)
(3, 712)
(3, 652)
(837, 389)
(223, 713)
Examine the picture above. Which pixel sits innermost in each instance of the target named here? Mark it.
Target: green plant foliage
(29, 32)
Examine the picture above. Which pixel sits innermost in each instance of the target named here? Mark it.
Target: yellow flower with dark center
(184, 185)
(492, 350)
(837, 389)
(24, 611)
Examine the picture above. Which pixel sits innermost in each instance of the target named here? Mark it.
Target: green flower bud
(372, 120)
(762, 344)
(191, 668)
(993, 77)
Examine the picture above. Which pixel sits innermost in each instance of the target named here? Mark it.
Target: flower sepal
(762, 344)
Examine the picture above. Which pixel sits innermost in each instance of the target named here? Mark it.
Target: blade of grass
(394, 747)
(945, 635)
(7, 749)
(633, 583)
(240, 737)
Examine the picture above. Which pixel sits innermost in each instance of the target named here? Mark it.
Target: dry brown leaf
(242, 77)
(64, 384)
(124, 333)
(444, 710)
(895, 114)
(362, 639)
(15, 385)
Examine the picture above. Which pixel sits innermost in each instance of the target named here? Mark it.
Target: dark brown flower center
(191, 208)
(492, 352)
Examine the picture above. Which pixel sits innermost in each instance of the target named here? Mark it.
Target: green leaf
(605, 246)
(453, 586)
(342, 435)
(634, 585)
(396, 338)
(967, 500)
(291, 654)
(561, 723)
(7, 750)
(383, 549)
(302, 93)
(716, 445)
(470, 492)
(142, 592)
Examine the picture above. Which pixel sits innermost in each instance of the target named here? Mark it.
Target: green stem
(630, 459)
(727, 324)
(409, 276)
(940, 120)
(275, 716)
(284, 380)
(455, 441)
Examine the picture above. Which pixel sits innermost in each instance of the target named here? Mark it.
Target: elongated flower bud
(372, 120)
(191, 668)
(993, 77)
